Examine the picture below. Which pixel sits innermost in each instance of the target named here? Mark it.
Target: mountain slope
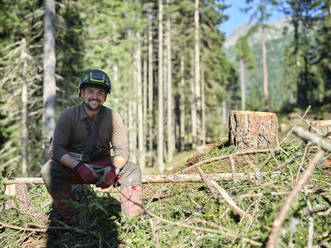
(278, 35)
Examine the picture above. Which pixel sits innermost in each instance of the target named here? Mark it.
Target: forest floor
(189, 214)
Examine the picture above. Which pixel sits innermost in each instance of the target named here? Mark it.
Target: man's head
(95, 78)
(93, 88)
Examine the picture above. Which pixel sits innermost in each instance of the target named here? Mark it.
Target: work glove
(86, 172)
(110, 177)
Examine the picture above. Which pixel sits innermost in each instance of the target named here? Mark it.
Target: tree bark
(49, 90)
(145, 85)
(141, 147)
(203, 110)
(249, 129)
(160, 91)
(197, 72)
(25, 133)
(132, 110)
(224, 110)
(242, 84)
(182, 104)
(150, 86)
(193, 109)
(169, 90)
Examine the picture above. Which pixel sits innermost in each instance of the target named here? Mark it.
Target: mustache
(97, 100)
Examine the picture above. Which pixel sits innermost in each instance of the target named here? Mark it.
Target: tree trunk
(150, 88)
(170, 128)
(203, 109)
(160, 92)
(141, 147)
(197, 72)
(249, 129)
(193, 109)
(132, 110)
(49, 87)
(242, 84)
(145, 118)
(224, 111)
(265, 69)
(25, 134)
(182, 104)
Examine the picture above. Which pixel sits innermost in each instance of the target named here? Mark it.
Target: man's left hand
(110, 177)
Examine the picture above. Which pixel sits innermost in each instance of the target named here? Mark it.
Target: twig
(318, 180)
(157, 193)
(224, 157)
(258, 176)
(203, 229)
(288, 202)
(155, 235)
(228, 199)
(276, 193)
(313, 128)
(310, 222)
(22, 239)
(306, 135)
(303, 158)
(270, 150)
(206, 180)
(22, 228)
(295, 124)
(290, 160)
(234, 178)
(43, 229)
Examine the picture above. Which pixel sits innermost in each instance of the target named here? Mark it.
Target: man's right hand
(86, 173)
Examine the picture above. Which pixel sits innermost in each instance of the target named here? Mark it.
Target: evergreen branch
(203, 229)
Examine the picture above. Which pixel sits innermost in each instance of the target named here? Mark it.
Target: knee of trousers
(130, 175)
(54, 176)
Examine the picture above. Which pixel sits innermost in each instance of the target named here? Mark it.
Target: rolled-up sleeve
(119, 137)
(61, 136)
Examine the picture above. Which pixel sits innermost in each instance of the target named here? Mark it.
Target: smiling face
(93, 98)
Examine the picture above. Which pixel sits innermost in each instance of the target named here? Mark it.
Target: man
(80, 151)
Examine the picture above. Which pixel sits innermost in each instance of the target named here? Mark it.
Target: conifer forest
(181, 86)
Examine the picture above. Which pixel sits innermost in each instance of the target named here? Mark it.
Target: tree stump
(322, 128)
(250, 129)
(22, 195)
(23, 199)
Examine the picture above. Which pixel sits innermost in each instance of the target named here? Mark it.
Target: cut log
(172, 178)
(250, 129)
(321, 128)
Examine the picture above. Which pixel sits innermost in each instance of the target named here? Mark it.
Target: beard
(92, 107)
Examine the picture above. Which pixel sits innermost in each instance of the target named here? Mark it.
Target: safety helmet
(97, 78)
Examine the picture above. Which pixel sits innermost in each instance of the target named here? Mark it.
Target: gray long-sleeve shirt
(72, 131)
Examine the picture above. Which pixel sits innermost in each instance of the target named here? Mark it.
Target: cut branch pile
(205, 206)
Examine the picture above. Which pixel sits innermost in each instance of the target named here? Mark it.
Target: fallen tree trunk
(146, 179)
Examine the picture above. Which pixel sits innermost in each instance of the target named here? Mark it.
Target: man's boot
(67, 212)
(131, 200)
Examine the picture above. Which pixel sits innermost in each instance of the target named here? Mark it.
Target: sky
(237, 18)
